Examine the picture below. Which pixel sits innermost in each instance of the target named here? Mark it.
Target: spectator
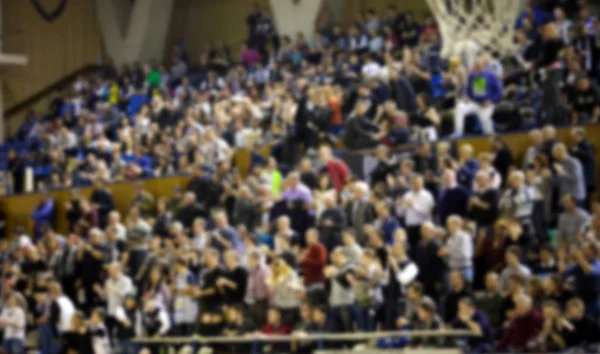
(571, 221)
(484, 90)
(13, 321)
(43, 214)
(432, 267)
(452, 199)
(360, 211)
(513, 266)
(586, 273)
(471, 318)
(483, 205)
(523, 328)
(417, 205)
(584, 151)
(569, 174)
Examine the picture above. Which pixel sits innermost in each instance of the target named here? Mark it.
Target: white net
(474, 25)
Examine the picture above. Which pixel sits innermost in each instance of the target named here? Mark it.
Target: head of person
(517, 179)
(274, 316)
(478, 65)
(415, 291)
(325, 154)
(348, 237)
(211, 258)
(578, 134)
(482, 180)
(254, 259)
(457, 281)
(523, 304)
(512, 256)
(381, 153)
(428, 231)
(492, 282)
(454, 224)
(221, 220)
(467, 306)
(575, 309)
(589, 250)
(465, 152)
(583, 83)
(536, 137)
(361, 190)
(417, 183)
(449, 178)
(283, 223)
(407, 167)
(231, 259)
(319, 315)
(97, 316)
(114, 270)
(426, 310)
(559, 152)
(338, 257)
(294, 179)
(312, 236)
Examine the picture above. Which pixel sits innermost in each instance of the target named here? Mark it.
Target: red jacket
(313, 264)
(521, 331)
(282, 330)
(338, 173)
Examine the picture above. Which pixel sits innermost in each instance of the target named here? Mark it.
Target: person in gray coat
(572, 221)
(569, 174)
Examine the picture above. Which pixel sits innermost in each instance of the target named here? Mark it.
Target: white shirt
(421, 208)
(371, 70)
(16, 322)
(116, 290)
(120, 231)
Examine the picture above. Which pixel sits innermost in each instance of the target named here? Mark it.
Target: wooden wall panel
(199, 22)
(55, 49)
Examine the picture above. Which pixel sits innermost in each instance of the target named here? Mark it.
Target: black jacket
(358, 133)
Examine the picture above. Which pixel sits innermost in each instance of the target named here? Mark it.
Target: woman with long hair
(285, 288)
(156, 287)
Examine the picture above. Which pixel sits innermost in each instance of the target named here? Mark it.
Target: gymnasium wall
(55, 48)
(199, 22)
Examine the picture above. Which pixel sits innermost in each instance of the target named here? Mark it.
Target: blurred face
(583, 84)
(273, 317)
(511, 259)
(416, 183)
(522, 307)
(575, 310)
(456, 280)
(491, 282)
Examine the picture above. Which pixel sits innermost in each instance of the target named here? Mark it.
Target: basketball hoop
(475, 25)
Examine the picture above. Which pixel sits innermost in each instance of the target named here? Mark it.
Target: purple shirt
(301, 192)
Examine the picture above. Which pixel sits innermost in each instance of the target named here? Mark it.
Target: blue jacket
(43, 214)
(452, 201)
(388, 227)
(483, 87)
(466, 173)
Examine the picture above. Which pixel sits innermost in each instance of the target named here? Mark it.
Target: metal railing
(312, 337)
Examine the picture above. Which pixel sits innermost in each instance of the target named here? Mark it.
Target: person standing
(13, 321)
(417, 206)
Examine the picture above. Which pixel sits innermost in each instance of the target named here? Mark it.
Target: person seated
(484, 90)
(585, 102)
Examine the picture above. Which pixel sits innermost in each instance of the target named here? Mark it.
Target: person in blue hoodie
(43, 214)
(483, 91)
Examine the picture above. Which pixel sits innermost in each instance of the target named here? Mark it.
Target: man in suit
(360, 211)
(453, 198)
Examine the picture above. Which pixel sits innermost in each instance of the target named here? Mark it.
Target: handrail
(57, 85)
(334, 337)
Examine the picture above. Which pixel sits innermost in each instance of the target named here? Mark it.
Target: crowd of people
(443, 238)
(380, 81)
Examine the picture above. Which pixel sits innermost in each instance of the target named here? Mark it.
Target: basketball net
(468, 27)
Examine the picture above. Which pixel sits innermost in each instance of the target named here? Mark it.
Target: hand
(97, 288)
(473, 201)
(327, 223)
(486, 103)
(407, 203)
(401, 322)
(559, 169)
(443, 252)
